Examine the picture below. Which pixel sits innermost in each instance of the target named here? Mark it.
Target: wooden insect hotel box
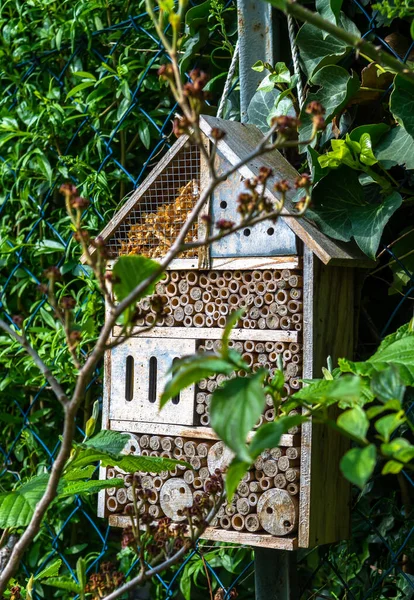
(297, 288)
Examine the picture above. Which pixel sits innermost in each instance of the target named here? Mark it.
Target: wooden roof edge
(129, 205)
(240, 141)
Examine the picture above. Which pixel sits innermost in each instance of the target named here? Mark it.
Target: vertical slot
(129, 378)
(152, 391)
(176, 398)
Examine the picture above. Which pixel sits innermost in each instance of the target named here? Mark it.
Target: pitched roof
(239, 142)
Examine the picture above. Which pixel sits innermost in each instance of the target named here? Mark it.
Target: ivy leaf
(261, 106)
(323, 391)
(354, 422)
(318, 49)
(358, 464)
(400, 449)
(130, 271)
(342, 212)
(235, 408)
(402, 103)
(375, 131)
(336, 89)
(399, 352)
(396, 148)
(329, 9)
(366, 155)
(192, 369)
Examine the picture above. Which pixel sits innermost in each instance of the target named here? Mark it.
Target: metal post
(257, 41)
(275, 570)
(275, 574)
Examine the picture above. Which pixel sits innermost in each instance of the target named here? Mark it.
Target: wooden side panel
(328, 331)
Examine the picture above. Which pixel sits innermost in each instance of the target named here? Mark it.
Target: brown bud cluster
(181, 126)
(195, 87)
(217, 134)
(317, 111)
(286, 126)
(303, 181)
(255, 201)
(224, 224)
(67, 303)
(52, 273)
(18, 320)
(79, 203)
(106, 581)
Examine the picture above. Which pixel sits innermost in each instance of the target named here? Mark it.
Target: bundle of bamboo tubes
(271, 299)
(169, 493)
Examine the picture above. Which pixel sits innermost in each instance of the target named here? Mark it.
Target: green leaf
(110, 441)
(196, 17)
(358, 464)
(50, 571)
(192, 369)
(336, 89)
(280, 4)
(16, 507)
(354, 422)
(84, 75)
(342, 212)
(280, 73)
(402, 103)
(388, 424)
(396, 148)
(400, 449)
(129, 272)
(268, 435)
(79, 88)
(375, 131)
(63, 583)
(72, 488)
(397, 349)
(235, 473)
(260, 106)
(392, 467)
(345, 389)
(77, 474)
(235, 408)
(317, 49)
(366, 156)
(144, 133)
(329, 9)
(81, 575)
(128, 462)
(259, 66)
(387, 384)
(231, 322)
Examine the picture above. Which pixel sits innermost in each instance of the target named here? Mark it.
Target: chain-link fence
(382, 533)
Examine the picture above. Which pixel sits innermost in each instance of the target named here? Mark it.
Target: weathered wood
(219, 457)
(202, 433)
(175, 498)
(214, 333)
(277, 512)
(324, 514)
(240, 141)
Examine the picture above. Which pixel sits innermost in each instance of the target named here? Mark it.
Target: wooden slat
(287, 440)
(233, 264)
(215, 333)
(324, 512)
(220, 535)
(240, 140)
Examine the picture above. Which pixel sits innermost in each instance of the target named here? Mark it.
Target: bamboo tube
(224, 310)
(298, 326)
(284, 463)
(297, 359)
(270, 468)
(195, 293)
(211, 385)
(200, 397)
(254, 486)
(262, 358)
(258, 475)
(202, 449)
(110, 473)
(281, 297)
(169, 321)
(189, 310)
(249, 346)
(295, 293)
(225, 522)
(222, 322)
(294, 306)
(287, 392)
(209, 344)
(286, 273)
(112, 504)
(287, 355)
(253, 499)
(261, 323)
(294, 383)
(205, 420)
(202, 384)
(237, 522)
(297, 318)
(291, 370)
(178, 314)
(198, 483)
(160, 288)
(204, 473)
(243, 489)
(189, 448)
(183, 286)
(243, 507)
(199, 320)
(248, 358)
(157, 483)
(224, 293)
(188, 321)
(282, 310)
(282, 284)
(145, 452)
(228, 275)
(252, 523)
(293, 489)
(130, 494)
(272, 322)
(195, 462)
(258, 463)
(254, 313)
(261, 289)
(188, 477)
(234, 286)
(244, 290)
(292, 475)
(270, 414)
(212, 276)
(257, 276)
(233, 300)
(167, 443)
(220, 378)
(179, 442)
(275, 453)
(171, 289)
(184, 299)
(200, 409)
(258, 301)
(206, 296)
(174, 276)
(296, 281)
(280, 481)
(111, 491)
(247, 277)
(155, 442)
(154, 511)
(285, 323)
(230, 509)
(265, 483)
(203, 281)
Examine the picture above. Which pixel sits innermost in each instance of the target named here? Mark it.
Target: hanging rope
(229, 80)
(295, 57)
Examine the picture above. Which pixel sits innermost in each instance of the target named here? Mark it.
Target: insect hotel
(297, 288)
